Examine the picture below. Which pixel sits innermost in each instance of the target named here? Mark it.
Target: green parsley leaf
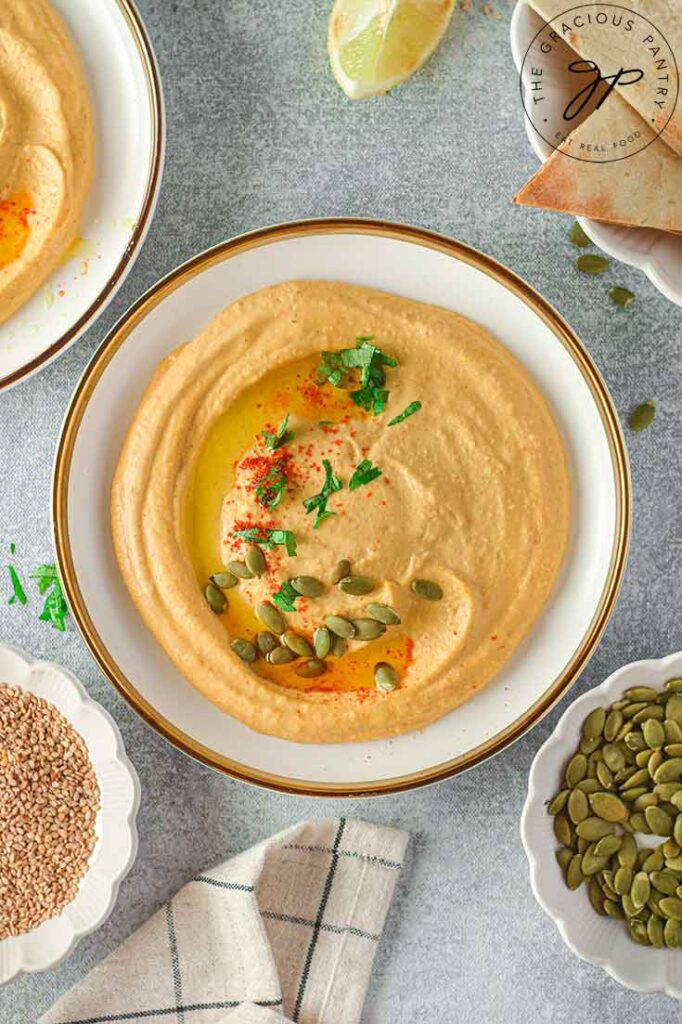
(18, 593)
(285, 597)
(363, 473)
(409, 410)
(271, 487)
(268, 538)
(318, 502)
(280, 437)
(55, 608)
(369, 360)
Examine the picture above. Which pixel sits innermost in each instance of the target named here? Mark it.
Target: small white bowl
(600, 940)
(116, 835)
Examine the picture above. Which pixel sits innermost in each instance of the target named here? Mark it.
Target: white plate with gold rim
(127, 102)
(115, 830)
(602, 941)
(419, 265)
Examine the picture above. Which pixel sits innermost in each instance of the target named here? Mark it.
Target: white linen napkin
(287, 930)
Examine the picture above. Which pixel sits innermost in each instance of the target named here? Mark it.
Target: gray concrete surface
(259, 132)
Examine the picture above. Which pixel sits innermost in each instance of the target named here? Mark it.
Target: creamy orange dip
(472, 493)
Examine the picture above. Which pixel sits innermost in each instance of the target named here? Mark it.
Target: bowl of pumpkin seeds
(602, 826)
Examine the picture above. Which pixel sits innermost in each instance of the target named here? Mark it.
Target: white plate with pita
(657, 253)
(127, 103)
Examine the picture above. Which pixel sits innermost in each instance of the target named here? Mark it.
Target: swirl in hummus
(45, 147)
(470, 493)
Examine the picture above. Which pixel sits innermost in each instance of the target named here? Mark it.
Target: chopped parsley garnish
(409, 410)
(55, 608)
(363, 473)
(268, 538)
(318, 502)
(271, 486)
(285, 597)
(370, 361)
(18, 592)
(281, 436)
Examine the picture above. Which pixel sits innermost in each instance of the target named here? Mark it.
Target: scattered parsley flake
(285, 597)
(55, 608)
(271, 487)
(363, 473)
(18, 592)
(281, 436)
(318, 502)
(409, 410)
(369, 360)
(268, 538)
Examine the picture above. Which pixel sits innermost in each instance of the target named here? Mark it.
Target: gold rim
(116, 338)
(144, 48)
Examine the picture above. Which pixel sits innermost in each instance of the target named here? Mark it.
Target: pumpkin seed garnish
(385, 677)
(266, 641)
(642, 416)
(244, 649)
(322, 642)
(577, 236)
(591, 264)
(241, 570)
(217, 601)
(340, 626)
(357, 586)
(426, 589)
(224, 580)
(311, 668)
(298, 644)
(281, 656)
(621, 296)
(383, 613)
(342, 569)
(255, 560)
(368, 629)
(271, 617)
(308, 586)
(339, 646)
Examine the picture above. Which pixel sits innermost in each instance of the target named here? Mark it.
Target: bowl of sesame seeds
(68, 803)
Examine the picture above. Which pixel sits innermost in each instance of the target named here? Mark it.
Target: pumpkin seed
(383, 613)
(673, 708)
(672, 907)
(590, 263)
(654, 761)
(368, 629)
(564, 857)
(427, 589)
(676, 798)
(669, 771)
(591, 863)
(653, 733)
(581, 845)
(614, 721)
(342, 569)
(593, 726)
(677, 830)
(357, 586)
(664, 881)
(627, 855)
(653, 861)
(280, 656)
(339, 646)
(298, 644)
(641, 887)
(638, 932)
(674, 685)
(386, 679)
(592, 829)
(271, 617)
(577, 236)
(307, 586)
(608, 845)
(322, 641)
(608, 806)
(613, 909)
(636, 780)
(671, 849)
(266, 641)
(621, 296)
(650, 711)
(255, 560)
(673, 731)
(634, 741)
(244, 649)
(339, 626)
(628, 906)
(622, 880)
(641, 693)
(644, 800)
(578, 808)
(659, 822)
(672, 934)
(576, 770)
(596, 896)
(604, 775)
(673, 749)
(311, 668)
(574, 874)
(642, 416)
(655, 930)
(241, 570)
(590, 746)
(224, 580)
(589, 785)
(634, 708)
(639, 823)
(614, 757)
(674, 863)
(217, 601)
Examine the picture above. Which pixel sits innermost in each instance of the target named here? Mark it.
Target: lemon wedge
(375, 45)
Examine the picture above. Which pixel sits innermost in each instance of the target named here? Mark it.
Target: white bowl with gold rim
(129, 136)
(420, 265)
(115, 831)
(602, 941)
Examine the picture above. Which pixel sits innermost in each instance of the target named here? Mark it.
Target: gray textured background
(259, 132)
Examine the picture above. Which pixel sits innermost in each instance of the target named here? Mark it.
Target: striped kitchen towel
(286, 931)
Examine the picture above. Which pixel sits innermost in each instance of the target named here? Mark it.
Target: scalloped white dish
(657, 253)
(602, 941)
(116, 834)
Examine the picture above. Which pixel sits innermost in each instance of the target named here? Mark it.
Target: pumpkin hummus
(45, 147)
(315, 422)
